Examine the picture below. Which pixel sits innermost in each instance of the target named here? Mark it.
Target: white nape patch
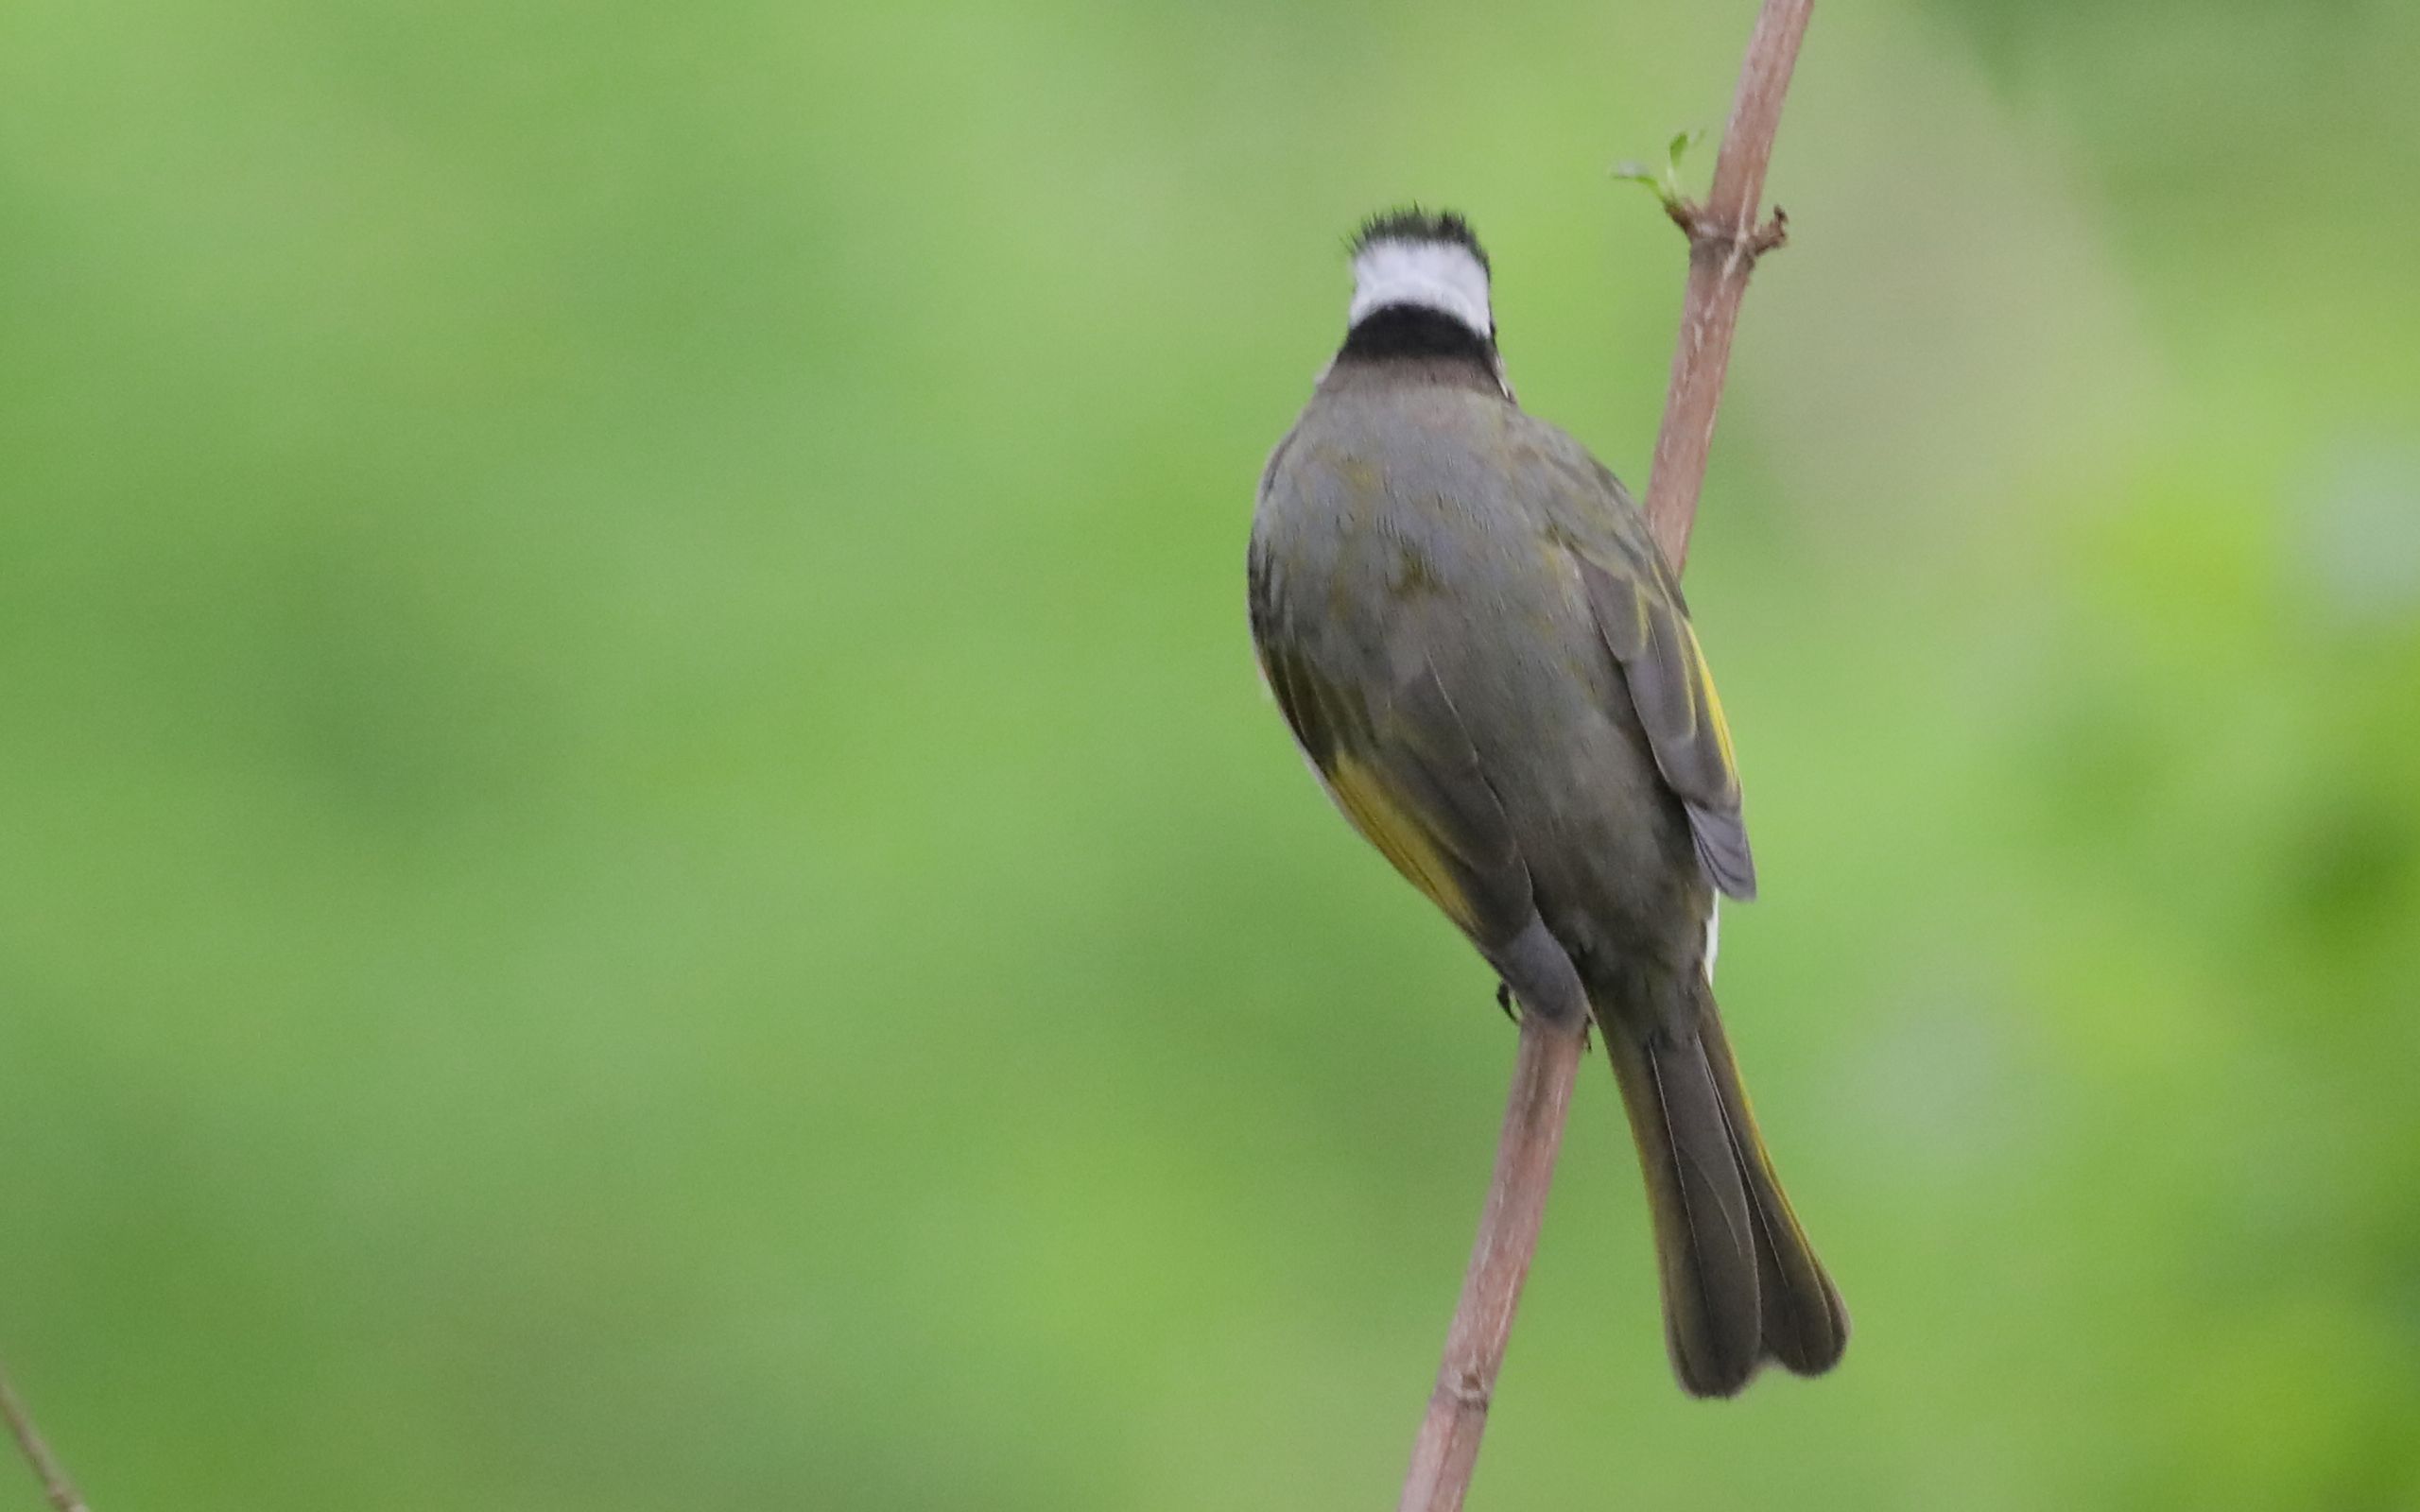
(1435, 275)
(1713, 939)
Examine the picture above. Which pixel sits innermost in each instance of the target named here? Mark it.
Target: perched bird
(1492, 670)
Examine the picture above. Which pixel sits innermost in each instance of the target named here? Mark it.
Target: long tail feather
(1704, 1239)
(1806, 1327)
(1741, 1282)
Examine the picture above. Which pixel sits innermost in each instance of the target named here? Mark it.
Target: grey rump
(1464, 619)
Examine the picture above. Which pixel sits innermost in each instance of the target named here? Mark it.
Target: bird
(1491, 669)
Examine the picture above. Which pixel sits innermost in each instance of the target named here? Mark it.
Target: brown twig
(1725, 240)
(53, 1475)
(1447, 1447)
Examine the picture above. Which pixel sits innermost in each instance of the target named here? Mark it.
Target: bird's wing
(1401, 767)
(1645, 623)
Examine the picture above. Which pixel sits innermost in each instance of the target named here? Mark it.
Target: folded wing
(1645, 624)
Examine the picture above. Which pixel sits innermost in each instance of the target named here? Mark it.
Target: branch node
(1773, 233)
(1710, 233)
(1465, 1389)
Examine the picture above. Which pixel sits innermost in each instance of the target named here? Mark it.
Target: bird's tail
(1741, 1284)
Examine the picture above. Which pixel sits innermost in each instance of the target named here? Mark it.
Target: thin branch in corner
(1725, 239)
(53, 1475)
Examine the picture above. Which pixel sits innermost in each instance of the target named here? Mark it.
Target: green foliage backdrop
(642, 865)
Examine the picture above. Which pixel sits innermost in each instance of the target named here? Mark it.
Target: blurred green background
(642, 864)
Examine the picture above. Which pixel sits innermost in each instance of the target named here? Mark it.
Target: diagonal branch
(53, 1475)
(1447, 1448)
(1725, 240)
